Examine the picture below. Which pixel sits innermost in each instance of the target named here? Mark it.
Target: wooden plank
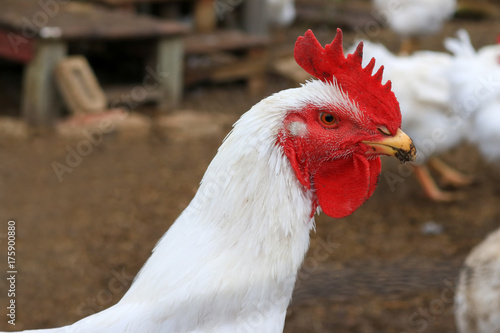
(79, 87)
(245, 68)
(39, 97)
(122, 95)
(222, 40)
(288, 68)
(70, 20)
(205, 19)
(169, 70)
(257, 80)
(200, 67)
(251, 66)
(127, 2)
(249, 53)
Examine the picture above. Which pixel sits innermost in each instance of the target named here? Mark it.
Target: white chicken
(229, 262)
(280, 13)
(423, 91)
(475, 80)
(411, 19)
(477, 298)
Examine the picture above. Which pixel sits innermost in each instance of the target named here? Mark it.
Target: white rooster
(229, 262)
(412, 19)
(475, 79)
(423, 90)
(477, 298)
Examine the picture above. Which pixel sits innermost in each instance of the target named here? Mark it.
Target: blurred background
(111, 111)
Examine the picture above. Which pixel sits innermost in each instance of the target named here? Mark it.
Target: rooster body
(477, 299)
(475, 79)
(229, 262)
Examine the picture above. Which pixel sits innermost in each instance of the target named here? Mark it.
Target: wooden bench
(219, 55)
(37, 33)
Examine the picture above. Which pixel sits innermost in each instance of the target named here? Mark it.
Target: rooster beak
(400, 146)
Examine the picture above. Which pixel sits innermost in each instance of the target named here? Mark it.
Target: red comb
(329, 63)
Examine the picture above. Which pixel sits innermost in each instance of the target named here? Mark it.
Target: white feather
(229, 262)
(477, 298)
(475, 80)
(415, 17)
(280, 13)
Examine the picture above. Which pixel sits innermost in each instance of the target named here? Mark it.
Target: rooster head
(346, 121)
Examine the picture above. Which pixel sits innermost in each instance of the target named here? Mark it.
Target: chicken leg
(430, 187)
(450, 176)
(409, 45)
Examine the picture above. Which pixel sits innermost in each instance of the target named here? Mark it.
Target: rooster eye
(328, 119)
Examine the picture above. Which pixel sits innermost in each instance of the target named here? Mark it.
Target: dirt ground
(81, 238)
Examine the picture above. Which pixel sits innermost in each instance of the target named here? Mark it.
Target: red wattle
(375, 169)
(343, 185)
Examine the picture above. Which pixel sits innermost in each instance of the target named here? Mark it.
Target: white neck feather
(236, 249)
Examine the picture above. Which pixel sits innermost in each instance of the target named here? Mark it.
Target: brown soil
(80, 240)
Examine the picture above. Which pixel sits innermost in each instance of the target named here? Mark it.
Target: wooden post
(39, 95)
(205, 18)
(257, 81)
(170, 69)
(255, 17)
